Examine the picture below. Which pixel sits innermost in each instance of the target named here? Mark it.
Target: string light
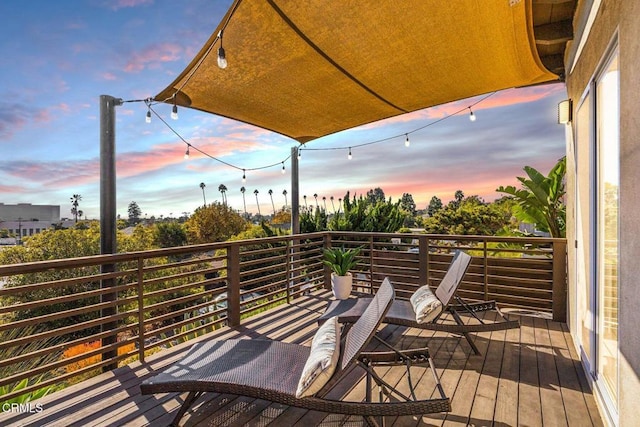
(222, 57)
(149, 102)
(244, 176)
(174, 112)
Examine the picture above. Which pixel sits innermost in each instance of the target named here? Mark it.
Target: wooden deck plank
(570, 387)
(424, 384)
(553, 414)
(580, 374)
(466, 389)
(529, 408)
(524, 376)
(483, 409)
(450, 361)
(506, 410)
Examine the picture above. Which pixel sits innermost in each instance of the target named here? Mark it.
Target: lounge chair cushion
(323, 359)
(425, 304)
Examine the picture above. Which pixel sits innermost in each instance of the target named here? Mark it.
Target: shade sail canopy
(306, 69)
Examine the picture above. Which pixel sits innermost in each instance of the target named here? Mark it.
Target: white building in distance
(24, 219)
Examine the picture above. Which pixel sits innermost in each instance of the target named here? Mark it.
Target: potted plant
(340, 261)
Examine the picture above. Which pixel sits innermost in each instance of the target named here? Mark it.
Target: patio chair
(273, 370)
(402, 311)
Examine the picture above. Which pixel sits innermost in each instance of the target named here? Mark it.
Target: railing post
(371, 264)
(486, 270)
(427, 259)
(288, 255)
(559, 302)
(326, 243)
(423, 268)
(140, 310)
(233, 284)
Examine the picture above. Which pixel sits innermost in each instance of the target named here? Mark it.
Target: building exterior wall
(28, 212)
(24, 219)
(615, 20)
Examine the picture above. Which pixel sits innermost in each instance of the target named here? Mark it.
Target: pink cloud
(109, 76)
(42, 116)
(500, 99)
(152, 55)
(62, 174)
(12, 189)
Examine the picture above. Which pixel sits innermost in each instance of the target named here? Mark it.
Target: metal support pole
(294, 257)
(108, 216)
(295, 192)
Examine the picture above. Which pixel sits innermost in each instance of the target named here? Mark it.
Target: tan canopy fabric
(306, 69)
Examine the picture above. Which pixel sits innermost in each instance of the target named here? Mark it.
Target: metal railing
(65, 320)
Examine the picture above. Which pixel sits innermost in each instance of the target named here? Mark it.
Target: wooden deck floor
(524, 377)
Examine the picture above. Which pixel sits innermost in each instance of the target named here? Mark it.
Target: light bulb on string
(283, 170)
(472, 116)
(148, 118)
(299, 153)
(406, 141)
(244, 176)
(174, 112)
(349, 156)
(186, 153)
(222, 56)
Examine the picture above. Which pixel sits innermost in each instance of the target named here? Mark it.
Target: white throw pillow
(425, 304)
(323, 359)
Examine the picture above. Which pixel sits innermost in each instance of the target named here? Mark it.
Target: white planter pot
(341, 285)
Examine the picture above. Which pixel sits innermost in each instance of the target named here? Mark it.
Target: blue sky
(59, 57)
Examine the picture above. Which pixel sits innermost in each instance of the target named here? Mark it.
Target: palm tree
(223, 190)
(540, 202)
(315, 196)
(244, 202)
(305, 200)
(332, 205)
(203, 196)
(284, 192)
(324, 200)
(272, 204)
(257, 203)
(75, 202)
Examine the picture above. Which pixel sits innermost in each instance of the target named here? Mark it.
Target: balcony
(90, 329)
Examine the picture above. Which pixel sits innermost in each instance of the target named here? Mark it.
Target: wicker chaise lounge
(402, 311)
(271, 370)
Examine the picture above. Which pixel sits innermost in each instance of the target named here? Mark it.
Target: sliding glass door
(607, 222)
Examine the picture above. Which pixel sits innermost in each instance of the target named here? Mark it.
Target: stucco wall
(629, 335)
(623, 17)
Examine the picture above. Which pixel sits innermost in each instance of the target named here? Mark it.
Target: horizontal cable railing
(62, 321)
(522, 273)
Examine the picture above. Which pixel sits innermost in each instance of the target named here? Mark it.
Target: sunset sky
(59, 57)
